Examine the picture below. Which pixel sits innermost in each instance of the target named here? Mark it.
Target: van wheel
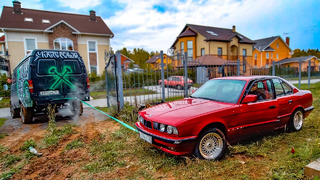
(211, 145)
(15, 113)
(77, 108)
(26, 115)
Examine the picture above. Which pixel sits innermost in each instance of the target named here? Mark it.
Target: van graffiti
(51, 54)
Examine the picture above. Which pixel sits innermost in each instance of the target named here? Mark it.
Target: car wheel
(179, 87)
(14, 112)
(296, 120)
(211, 145)
(26, 115)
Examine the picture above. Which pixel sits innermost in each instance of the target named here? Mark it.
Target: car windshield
(221, 90)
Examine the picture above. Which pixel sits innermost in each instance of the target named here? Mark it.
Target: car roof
(247, 78)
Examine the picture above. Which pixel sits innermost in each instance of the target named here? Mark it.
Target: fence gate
(111, 80)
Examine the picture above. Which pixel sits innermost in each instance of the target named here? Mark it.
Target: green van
(48, 77)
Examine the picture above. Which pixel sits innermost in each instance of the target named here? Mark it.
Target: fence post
(273, 68)
(162, 77)
(185, 75)
(238, 67)
(120, 81)
(309, 73)
(300, 73)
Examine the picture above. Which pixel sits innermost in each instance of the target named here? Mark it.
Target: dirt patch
(57, 162)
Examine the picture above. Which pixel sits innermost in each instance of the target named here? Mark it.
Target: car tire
(26, 115)
(179, 87)
(15, 113)
(296, 120)
(211, 145)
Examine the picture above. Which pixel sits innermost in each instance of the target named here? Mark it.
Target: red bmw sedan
(224, 111)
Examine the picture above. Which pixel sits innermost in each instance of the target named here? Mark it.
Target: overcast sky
(155, 24)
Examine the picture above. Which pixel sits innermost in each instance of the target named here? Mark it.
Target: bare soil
(56, 162)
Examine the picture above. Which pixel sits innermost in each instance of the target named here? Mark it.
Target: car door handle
(290, 101)
(272, 107)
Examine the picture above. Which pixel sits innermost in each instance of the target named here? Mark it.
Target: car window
(287, 89)
(262, 90)
(45, 65)
(73, 65)
(169, 78)
(278, 87)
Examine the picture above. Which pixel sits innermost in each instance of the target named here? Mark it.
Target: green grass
(126, 92)
(27, 144)
(52, 138)
(2, 120)
(5, 103)
(75, 144)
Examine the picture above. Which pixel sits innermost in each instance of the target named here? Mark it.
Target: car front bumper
(173, 145)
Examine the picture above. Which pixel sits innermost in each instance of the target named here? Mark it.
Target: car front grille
(147, 124)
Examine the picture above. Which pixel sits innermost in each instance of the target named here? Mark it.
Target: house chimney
(288, 41)
(233, 28)
(16, 7)
(92, 15)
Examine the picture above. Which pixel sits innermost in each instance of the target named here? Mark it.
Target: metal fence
(174, 77)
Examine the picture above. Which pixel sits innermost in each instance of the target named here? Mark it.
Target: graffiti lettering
(55, 55)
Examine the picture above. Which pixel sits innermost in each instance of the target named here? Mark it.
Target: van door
(47, 82)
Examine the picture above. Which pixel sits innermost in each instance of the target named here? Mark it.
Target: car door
(284, 95)
(260, 116)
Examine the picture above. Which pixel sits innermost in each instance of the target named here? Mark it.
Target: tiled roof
(81, 23)
(214, 34)
(262, 44)
(2, 38)
(153, 59)
(188, 33)
(296, 59)
(209, 60)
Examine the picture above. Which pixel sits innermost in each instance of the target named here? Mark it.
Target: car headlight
(140, 118)
(169, 129)
(162, 127)
(175, 131)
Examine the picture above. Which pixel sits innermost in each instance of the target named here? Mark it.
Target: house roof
(295, 59)
(2, 38)
(80, 23)
(125, 58)
(209, 60)
(264, 44)
(187, 33)
(153, 59)
(215, 34)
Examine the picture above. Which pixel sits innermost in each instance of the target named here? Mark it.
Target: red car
(224, 110)
(176, 81)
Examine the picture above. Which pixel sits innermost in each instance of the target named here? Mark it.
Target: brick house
(155, 61)
(270, 49)
(28, 29)
(226, 44)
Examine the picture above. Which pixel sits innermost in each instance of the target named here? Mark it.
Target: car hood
(175, 112)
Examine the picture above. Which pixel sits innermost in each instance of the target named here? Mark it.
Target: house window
(244, 52)
(271, 55)
(93, 69)
(219, 51)
(277, 45)
(255, 56)
(267, 55)
(190, 50)
(30, 44)
(182, 47)
(277, 55)
(92, 46)
(202, 51)
(63, 44)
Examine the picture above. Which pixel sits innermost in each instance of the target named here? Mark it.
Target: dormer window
(212, 33)
(28, 19)
(45, 21)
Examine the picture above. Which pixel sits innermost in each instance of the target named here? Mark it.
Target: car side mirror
(250, 98)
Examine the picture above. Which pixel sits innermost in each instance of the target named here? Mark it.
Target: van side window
(44, 66)
(73, 65)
